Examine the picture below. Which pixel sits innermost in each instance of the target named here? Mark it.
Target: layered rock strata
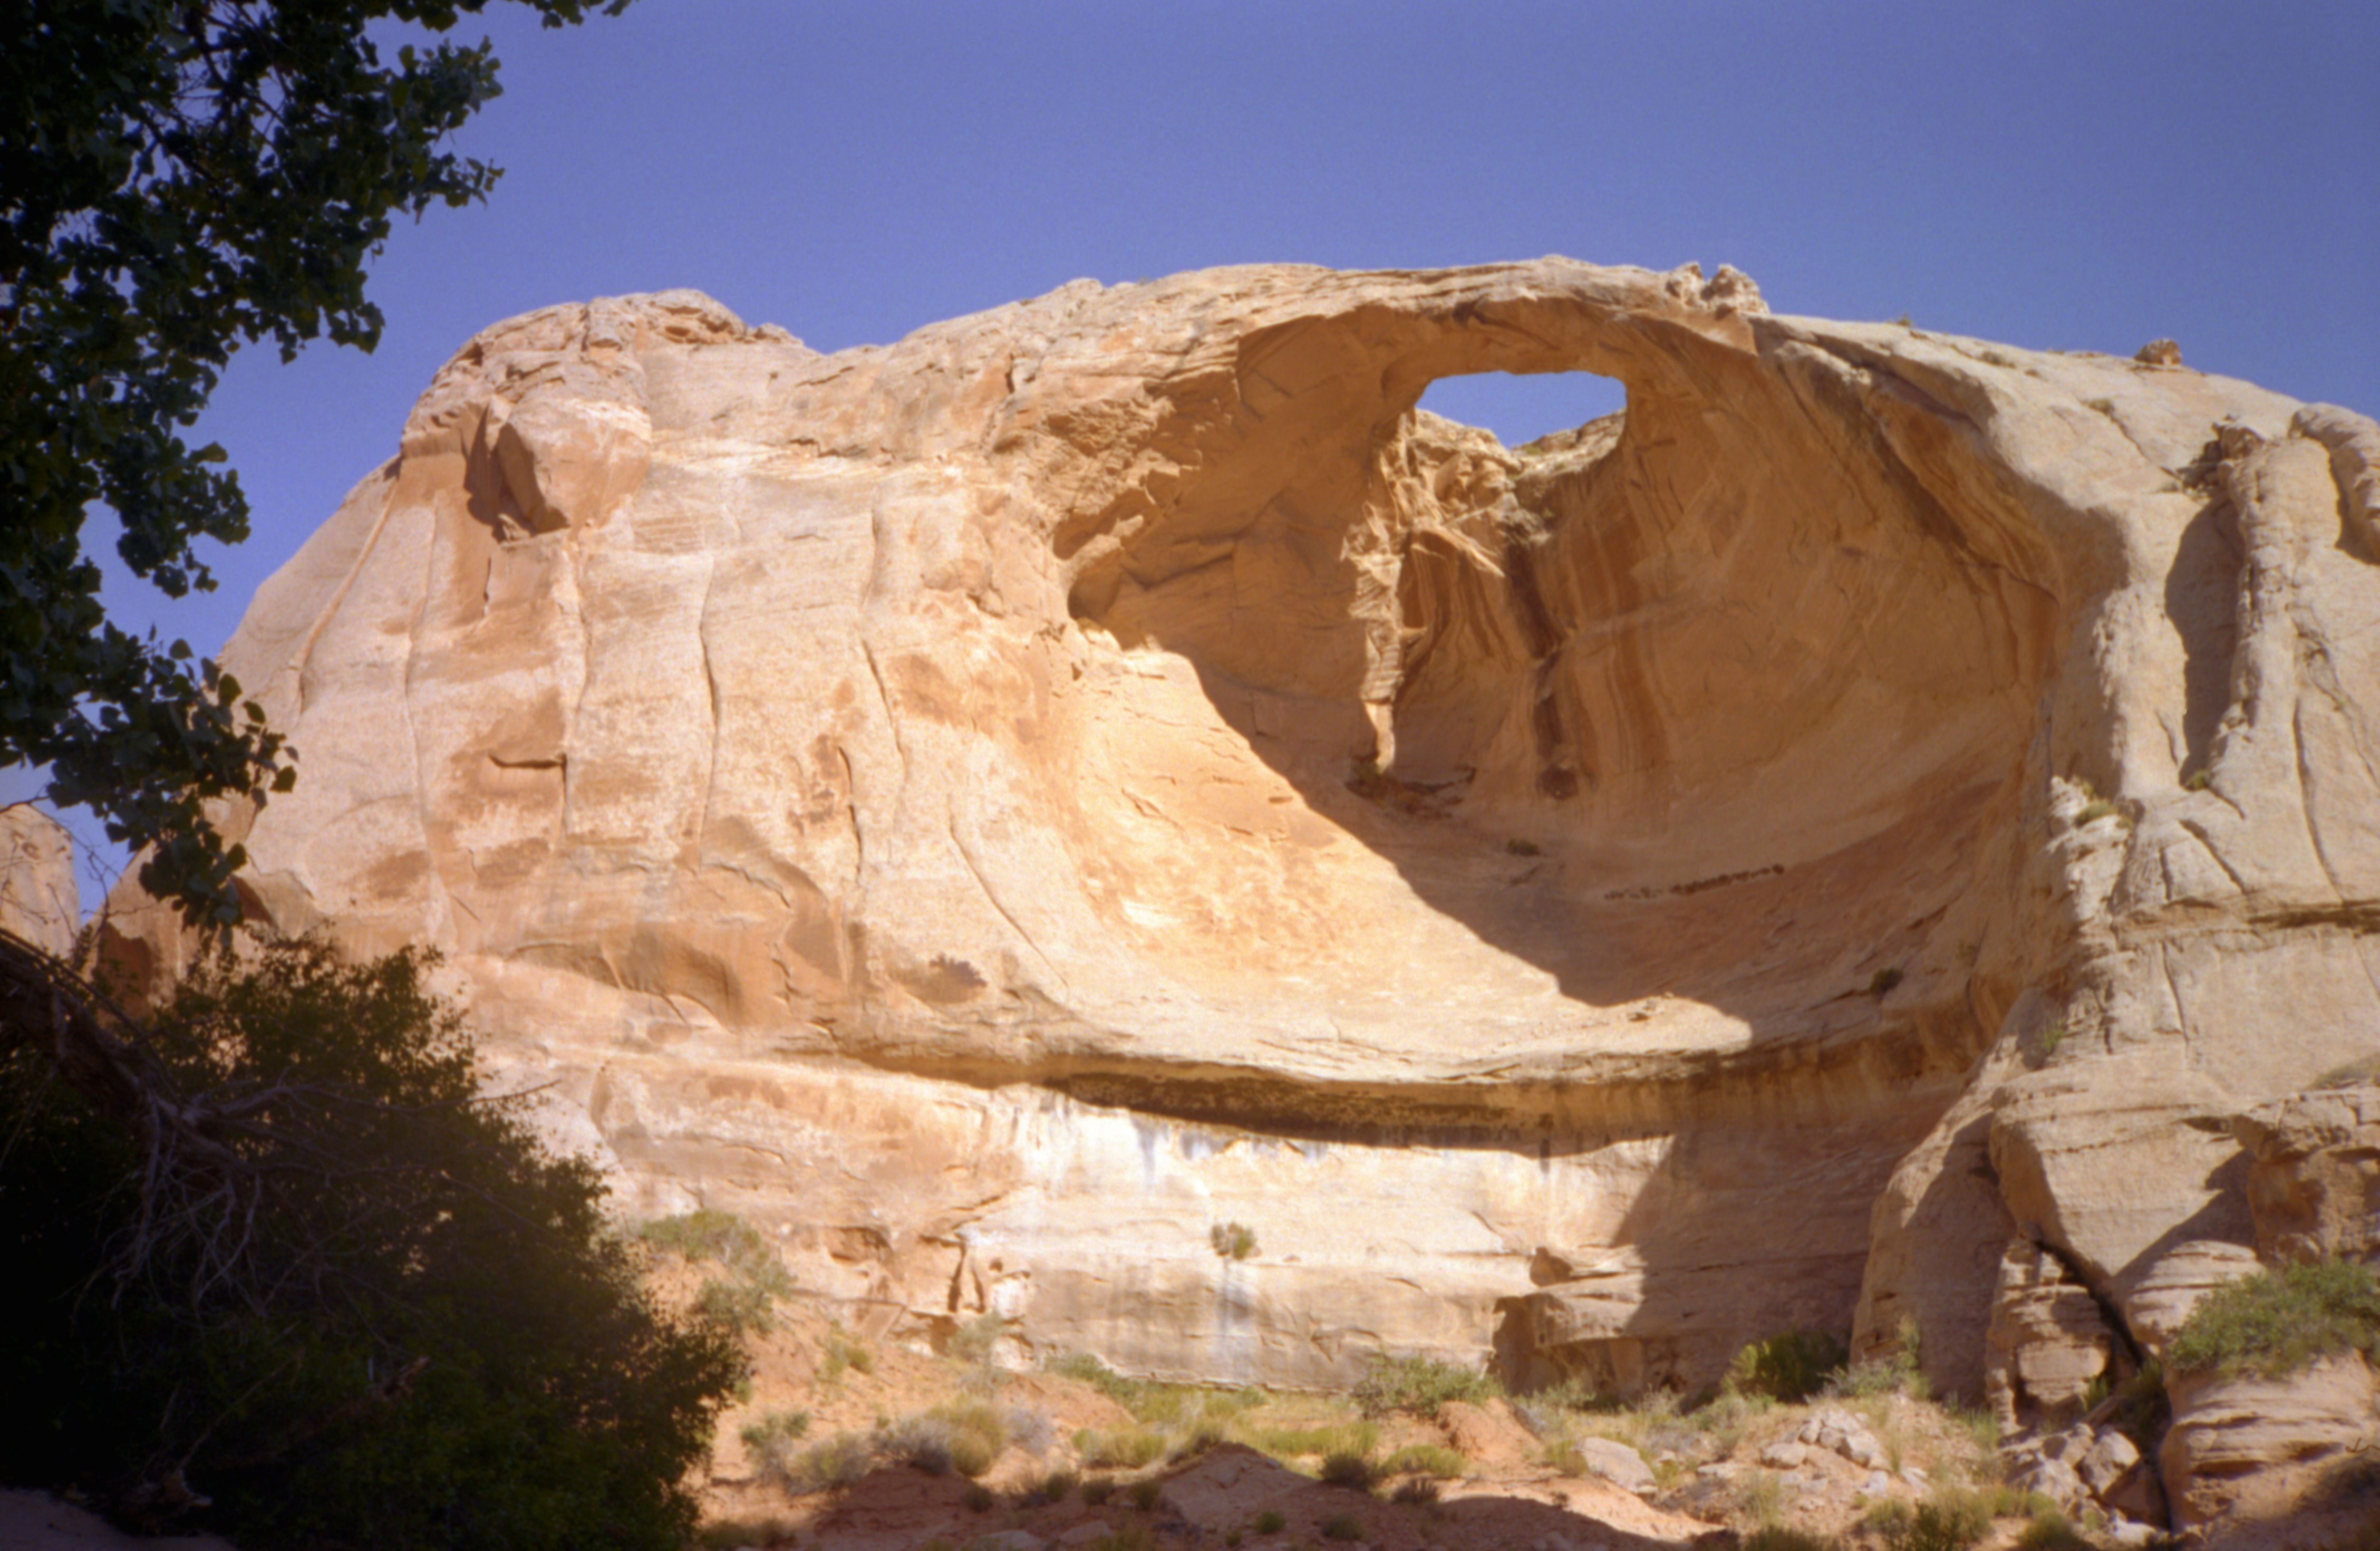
(1000, 807)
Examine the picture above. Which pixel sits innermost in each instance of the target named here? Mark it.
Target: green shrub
(1096, 1490)
(1144, 1495)
(979, 1497)
(1232, 1241)
(1269, 1522)
(1420, 1385)
(705, 1235)
(414, 1327)
(2275, 1322)
(1059, 1485)
(1790, 1367)
(1128, 1450)
(1423, 1459)
(923, 1442)
(1349, 1469)
(1293, 1443)
(1417, 1489)
(1897, 1369)
(1342, 1526)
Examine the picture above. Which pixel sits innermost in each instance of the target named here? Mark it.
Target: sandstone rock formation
(39, 900)
(996, 807)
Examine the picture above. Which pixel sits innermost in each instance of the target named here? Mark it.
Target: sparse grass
(1425, 1459)
(1232, 1241)
(979, 1497)
(1790, 1367)
(722, 1534)
(2052, 1035)
(1269, 1522)
(704, 1235)
(1778, 1537)
(1296, 1443)
(2142, 1409)
(2275, 1322)
(1144, 1495)
(1096, 1490)
(1126, 1449)
(1562, 1455)
(1342, 1526)
(1419, 1384)
(1417, 1490)
(1759, 1499)
(1898, 1370)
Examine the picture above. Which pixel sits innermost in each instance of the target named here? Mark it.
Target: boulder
(2238, 1435)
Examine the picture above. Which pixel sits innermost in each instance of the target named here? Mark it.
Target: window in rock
(1522, 408)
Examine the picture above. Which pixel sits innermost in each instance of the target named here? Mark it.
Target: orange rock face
(999, 807)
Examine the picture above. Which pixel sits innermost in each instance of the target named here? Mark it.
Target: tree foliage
(178, 177)
(387, 1316)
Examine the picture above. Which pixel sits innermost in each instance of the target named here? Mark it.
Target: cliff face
(998, 807)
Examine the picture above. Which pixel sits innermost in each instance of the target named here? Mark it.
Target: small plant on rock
(1232, 1241)
(2275, 1322)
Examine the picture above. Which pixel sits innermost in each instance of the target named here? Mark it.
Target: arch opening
(1519, 408)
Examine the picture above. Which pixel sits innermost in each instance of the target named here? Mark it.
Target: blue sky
(2070, 175)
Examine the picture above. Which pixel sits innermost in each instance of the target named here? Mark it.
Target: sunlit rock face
(999, 807)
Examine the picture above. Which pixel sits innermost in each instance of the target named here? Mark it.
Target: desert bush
(1342, 1526)
(736, 1307)
(1096, 1490)
(2275, 1322)
(414, 1327)
(1417, 1489)
(1144, 1495)
(1269, 1522)
(725, 1534)
(1417, 1384)
(1058, 1485)
(1127, 1449)
(840, 1353)
(824, 1467)
(979, 1497)
(1950, 1520)
(2051, 1531)
(771, 1437)
(1232, 1241)
(1031, 1430)
(1896, 1370)
(978, 1339)
(1346, 1468)
(923, 1442)
(1790, 1367)
(976, 1434)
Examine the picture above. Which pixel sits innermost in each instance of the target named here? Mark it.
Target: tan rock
(2314, 1175)
(39, 900)
(2046, 1344)
(996, 807)
(2246, 1434)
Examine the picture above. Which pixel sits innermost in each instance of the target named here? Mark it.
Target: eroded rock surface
(998, 807)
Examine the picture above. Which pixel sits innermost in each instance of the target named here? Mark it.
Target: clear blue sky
(2052, 173)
